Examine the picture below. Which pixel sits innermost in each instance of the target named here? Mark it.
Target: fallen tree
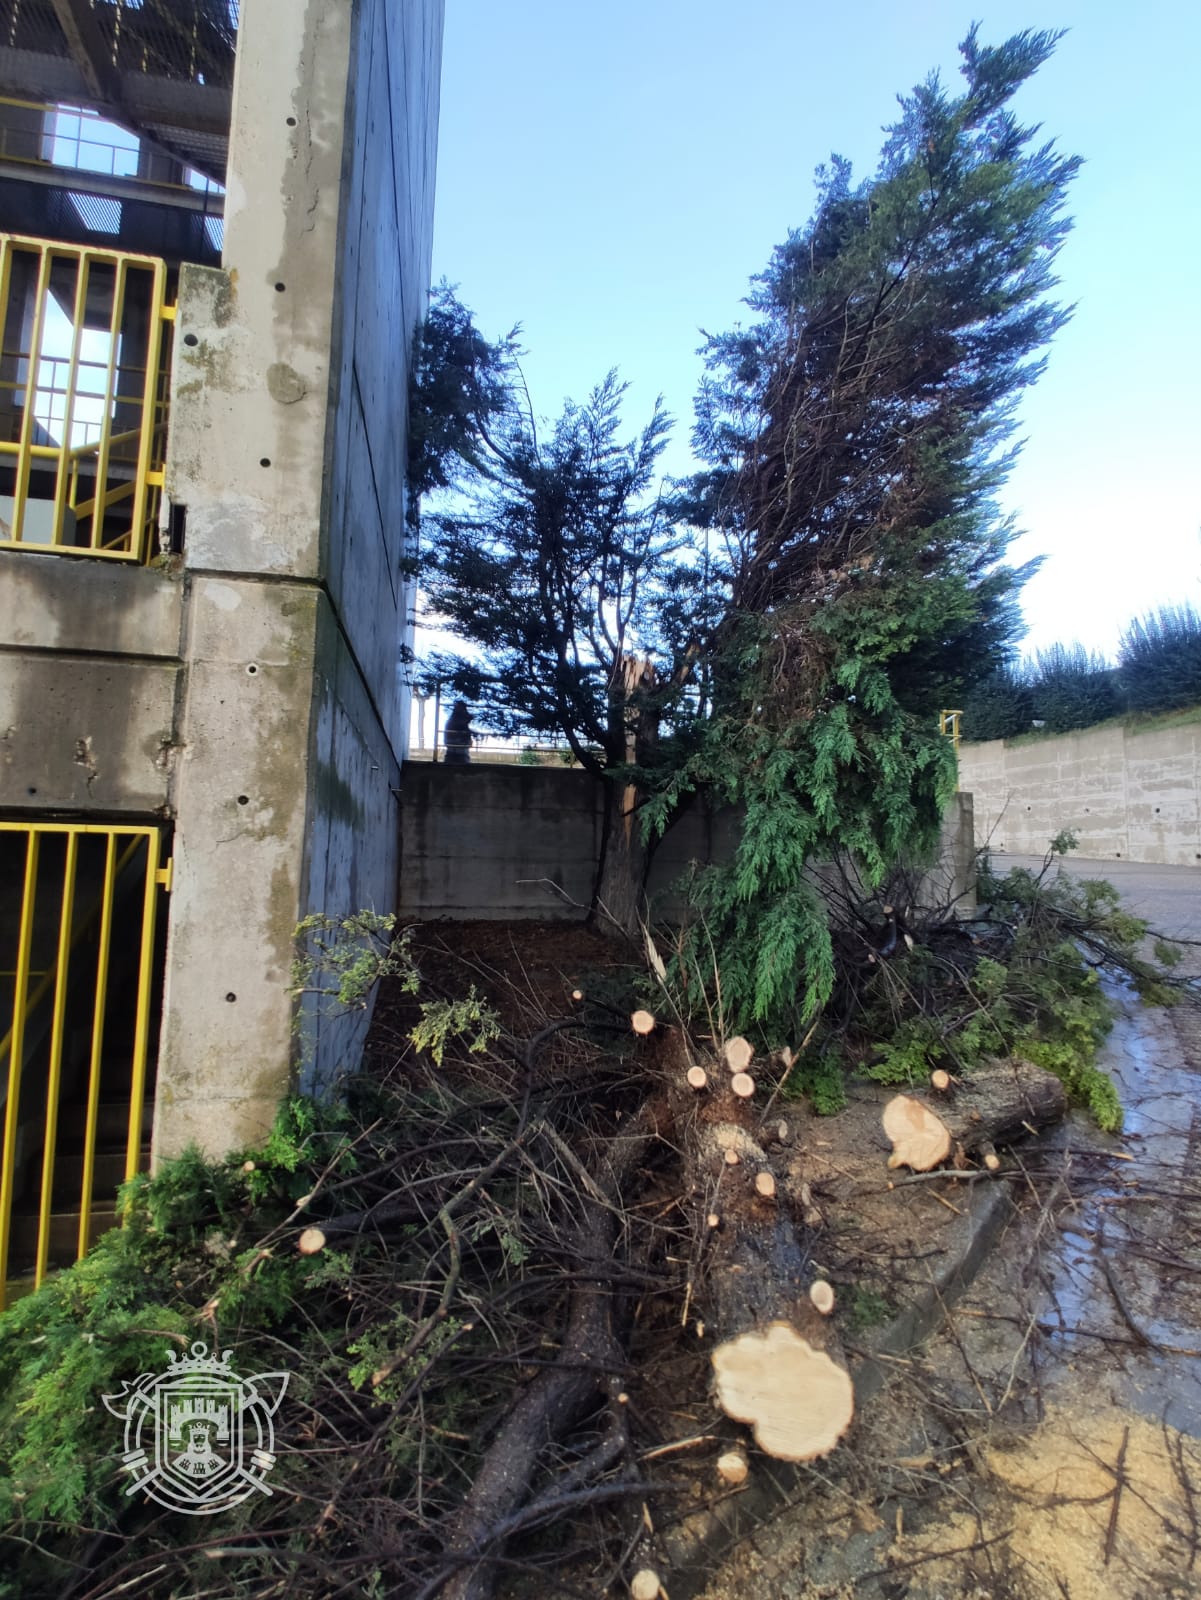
(999, 1101)
(778, 1366)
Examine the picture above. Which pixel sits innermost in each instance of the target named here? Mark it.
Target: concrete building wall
(503, 842)
(1127, 794)
(88, 681)
(287, 450)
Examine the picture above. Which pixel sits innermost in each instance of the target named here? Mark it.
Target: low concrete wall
(505, 842)
(1127, 794)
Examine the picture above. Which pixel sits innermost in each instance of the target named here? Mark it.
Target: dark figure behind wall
(456, 737)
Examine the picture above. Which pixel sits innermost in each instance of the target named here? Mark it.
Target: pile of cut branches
(532, 1277)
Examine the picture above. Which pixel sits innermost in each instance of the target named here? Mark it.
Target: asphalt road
(1169, 898)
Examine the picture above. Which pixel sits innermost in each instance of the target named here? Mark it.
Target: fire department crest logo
(198, 1438)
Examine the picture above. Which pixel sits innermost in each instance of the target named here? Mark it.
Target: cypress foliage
(1159, 660)
(1072, 688)
(998, 707)
(853, 437)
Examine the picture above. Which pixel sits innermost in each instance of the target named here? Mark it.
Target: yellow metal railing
(82, 964)
(948, 727)
(84, 347)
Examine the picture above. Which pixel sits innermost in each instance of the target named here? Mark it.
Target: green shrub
(1159, 660)
(998, 707)
(1071, 688)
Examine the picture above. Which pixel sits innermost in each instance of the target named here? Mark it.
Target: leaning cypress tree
(853, 436)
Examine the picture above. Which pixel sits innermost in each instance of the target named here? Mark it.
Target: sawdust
(1095, 1494)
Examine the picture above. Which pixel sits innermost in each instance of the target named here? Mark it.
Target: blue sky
(611, 175)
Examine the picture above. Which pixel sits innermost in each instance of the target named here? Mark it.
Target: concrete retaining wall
(1127, 794)
(505, 842)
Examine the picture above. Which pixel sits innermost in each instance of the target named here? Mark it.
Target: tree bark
(998, 1102)
(777, 1361)
(619, 891)
(619, 894)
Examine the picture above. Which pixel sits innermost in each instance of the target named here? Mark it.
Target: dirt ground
(1043, 1442)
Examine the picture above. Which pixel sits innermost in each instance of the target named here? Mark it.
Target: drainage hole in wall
(190, 340)
(251, 670)
(31, 791)
(264, 461)
(231, 995)
(279, 288)
(1156, 810)
(243, 799)
(291, 121)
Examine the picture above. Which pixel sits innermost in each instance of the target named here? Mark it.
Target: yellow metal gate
(78, 908)
(84, 353)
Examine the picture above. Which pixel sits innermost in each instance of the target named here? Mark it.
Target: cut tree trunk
(998, 1102)
(777, 1363)
(619, 891)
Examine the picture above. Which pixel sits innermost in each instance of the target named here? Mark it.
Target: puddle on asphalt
(1122, 1269)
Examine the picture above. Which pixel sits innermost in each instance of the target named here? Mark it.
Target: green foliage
(821, 1077)
(1086, 1085)
(442, 1020)
(862, 779)
(557, 560)
(867, 1309)
(460, 386)
(1159, 661)
(1024, 978)
(854, 437)
(190, 1239)
(998, 706)
(1071, 688)
(345, 957)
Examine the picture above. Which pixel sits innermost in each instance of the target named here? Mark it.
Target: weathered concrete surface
(239, 844)
(352, 843)
(509, 842)
(287, 449)
(80, 605)
(380, 297)
(88, 668)
(81, 733)
(1127, 794)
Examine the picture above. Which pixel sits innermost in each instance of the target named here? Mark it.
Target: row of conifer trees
(1066, 687)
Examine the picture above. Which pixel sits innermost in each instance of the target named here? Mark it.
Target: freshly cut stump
(645, 1585)
(732, 1468)
(822, 1296)
(642, 1022)
(739, 1053)
(697, 1077)
(797, 1401)
(743, 1085)
(919, 1138)
(999, 1101)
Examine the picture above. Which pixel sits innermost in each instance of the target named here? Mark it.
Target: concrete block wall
(502, 842)
(1128, 794)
